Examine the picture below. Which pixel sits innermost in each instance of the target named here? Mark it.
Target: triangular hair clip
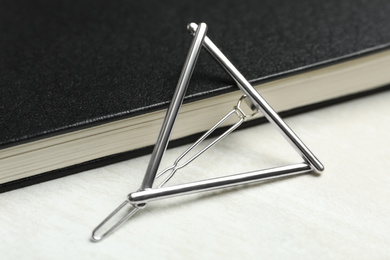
(138, 200)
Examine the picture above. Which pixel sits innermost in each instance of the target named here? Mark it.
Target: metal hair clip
(146, 193)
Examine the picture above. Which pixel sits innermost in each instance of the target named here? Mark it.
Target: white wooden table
(343, 214)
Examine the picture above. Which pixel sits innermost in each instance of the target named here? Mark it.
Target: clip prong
(106, 227)
(242, 116)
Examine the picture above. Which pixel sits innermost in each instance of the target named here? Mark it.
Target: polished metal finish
(146, 194)
(99, 232)
(170, 118)
(218, 183)
(260, 102)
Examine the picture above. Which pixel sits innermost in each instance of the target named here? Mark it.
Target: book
(86, 83)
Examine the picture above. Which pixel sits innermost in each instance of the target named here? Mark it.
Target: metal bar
(146, 196)
(170, 117)
(260, 102)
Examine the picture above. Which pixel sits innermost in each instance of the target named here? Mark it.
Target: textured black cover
(71, 64)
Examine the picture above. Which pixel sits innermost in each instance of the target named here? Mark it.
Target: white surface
(342, 214)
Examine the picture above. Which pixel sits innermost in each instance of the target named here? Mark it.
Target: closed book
(86, 83)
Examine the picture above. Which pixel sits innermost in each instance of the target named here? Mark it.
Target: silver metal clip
(146, 193)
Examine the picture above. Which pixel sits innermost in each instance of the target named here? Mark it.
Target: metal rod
(108, 225)
(260, 102)
(170, 118)
(147, 196)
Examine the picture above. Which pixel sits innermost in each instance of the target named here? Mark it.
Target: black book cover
(67, 65)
